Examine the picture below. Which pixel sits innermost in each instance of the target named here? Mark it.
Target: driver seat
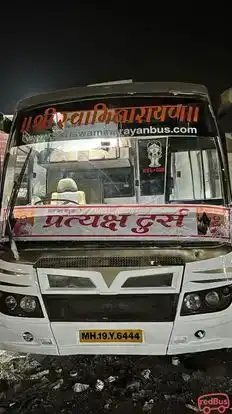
(68, 190)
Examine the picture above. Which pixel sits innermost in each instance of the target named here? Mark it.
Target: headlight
(207, 301)
(192, 301)
(28, 304)
(212, 298)
(14, 304)
(226, 290)
(11, 302)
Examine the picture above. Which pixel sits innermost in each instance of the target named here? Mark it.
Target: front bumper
(62, 338)
(169, 335)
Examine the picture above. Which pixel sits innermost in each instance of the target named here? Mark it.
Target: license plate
(110, 335)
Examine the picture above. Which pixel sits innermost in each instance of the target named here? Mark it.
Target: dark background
(45, 46)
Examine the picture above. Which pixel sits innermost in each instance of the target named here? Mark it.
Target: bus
(115, 223)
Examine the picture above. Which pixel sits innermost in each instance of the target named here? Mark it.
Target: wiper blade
(11, 205)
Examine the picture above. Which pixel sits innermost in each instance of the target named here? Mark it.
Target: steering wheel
(56, 199)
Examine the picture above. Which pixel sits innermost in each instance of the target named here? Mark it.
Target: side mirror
(224, 113)
(1, 121)
(225, 103)
(5, 123)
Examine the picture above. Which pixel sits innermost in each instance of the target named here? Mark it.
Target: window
(194, 171)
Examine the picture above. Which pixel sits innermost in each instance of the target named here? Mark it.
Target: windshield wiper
(11, 205)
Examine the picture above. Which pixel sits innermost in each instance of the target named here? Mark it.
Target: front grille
(111, 308)
(115, 261)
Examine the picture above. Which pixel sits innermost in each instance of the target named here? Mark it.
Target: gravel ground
(110, 384)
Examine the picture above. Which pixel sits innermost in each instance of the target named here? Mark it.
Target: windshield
(118, 171)
(116, 153)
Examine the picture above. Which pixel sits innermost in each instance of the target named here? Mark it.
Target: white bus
(115, 229)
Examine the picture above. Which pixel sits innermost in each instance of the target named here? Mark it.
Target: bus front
(115, 224)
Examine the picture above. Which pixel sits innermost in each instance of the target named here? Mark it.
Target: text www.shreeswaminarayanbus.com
(151, 130)
(73, 133)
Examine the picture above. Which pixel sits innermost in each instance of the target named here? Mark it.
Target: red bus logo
(208, 403)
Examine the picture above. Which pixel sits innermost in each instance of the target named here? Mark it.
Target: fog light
(28, 337)
(192, 302)
(28, 304)
(212, 298)
(11, 302)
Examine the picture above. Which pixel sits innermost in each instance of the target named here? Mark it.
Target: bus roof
(166, 88)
